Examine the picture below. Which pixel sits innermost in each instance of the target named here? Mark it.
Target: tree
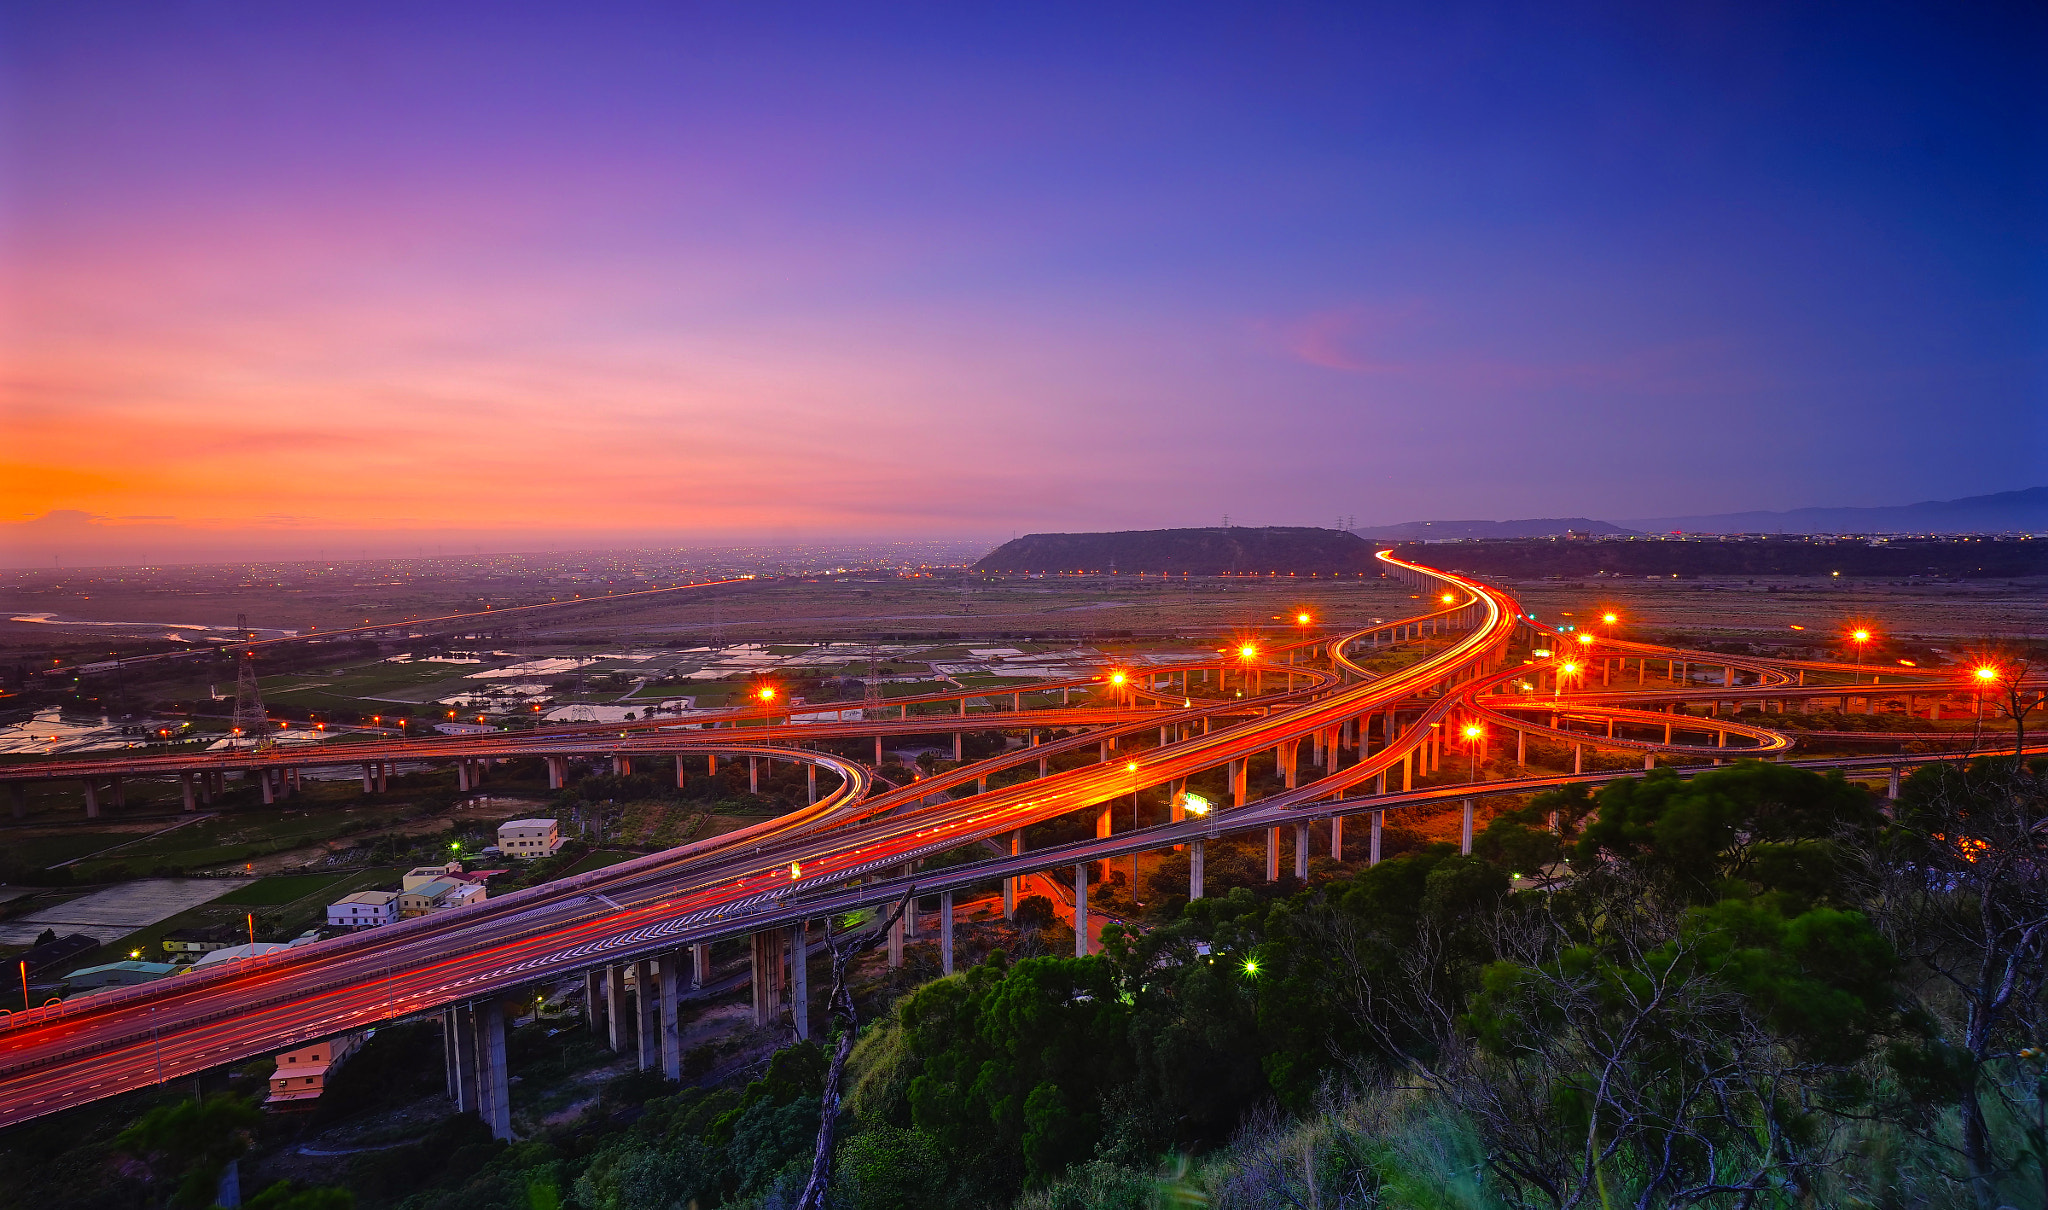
(192, 1142)
(1960, 885)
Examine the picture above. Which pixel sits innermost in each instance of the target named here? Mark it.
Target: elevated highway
(854, 846)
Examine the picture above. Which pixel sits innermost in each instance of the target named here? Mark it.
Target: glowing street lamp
(1301, 619)
(1475, 735)
(1564, 671)
(1860, 637)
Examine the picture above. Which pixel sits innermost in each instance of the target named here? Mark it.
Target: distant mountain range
(2023, 511)
(2002, 512)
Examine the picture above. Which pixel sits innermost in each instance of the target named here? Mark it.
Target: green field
(596, 861)
(37, 852)
(279, 889)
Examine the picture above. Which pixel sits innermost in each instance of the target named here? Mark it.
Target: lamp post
(1860, 637)
(1474, 735)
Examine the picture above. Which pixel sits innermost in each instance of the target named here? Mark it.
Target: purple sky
(286, 276)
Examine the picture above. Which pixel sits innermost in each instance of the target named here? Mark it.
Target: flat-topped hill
(1302, 550)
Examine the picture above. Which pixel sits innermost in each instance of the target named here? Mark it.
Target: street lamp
(1859, 636)
(1564, 670)
(1474, 733)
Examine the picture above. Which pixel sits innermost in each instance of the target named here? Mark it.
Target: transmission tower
(250, 719)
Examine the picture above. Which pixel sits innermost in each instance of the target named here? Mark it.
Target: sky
(320, 279)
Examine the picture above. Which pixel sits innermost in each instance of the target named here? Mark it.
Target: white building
(529, 837)
(301, 1074)
(363, 910)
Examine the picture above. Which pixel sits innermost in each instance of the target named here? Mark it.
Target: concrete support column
(800, 978)
(768, 945)
(1891, 789)
(1102, 833)
(370, 779)
(811, 785)
(1272, 854)
(1237, 782)
(1578, 758)
(669, 974)
(1521, 748)
(557, 772)
(1195, 869)
(700, 964)
(1080, 911)
(909, 913)
(754, 773)
(184, 788)
(1289, 754)
(946, 931)
(461, 776)
(1465, 836)
(1010, 884)
(269, 792)
(615, 1007)
(593, 992)
(959, 748)
(461, 1034)
(896, 944)
(1301, 851)
(493, 1083)
(1407, 770)
(682, 779)
(1373, 854)
(1337, 837)
(646, 1002)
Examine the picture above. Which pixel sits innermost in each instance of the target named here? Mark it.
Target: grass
(279, 889)
(38, 852)
(242, 835)
(596, 861)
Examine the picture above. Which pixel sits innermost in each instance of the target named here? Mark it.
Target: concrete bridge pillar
(461, 777)
(184, 789)
(264, 782)
(878, 752)
(945, 932)
(557, 772)
(669, 975)
(1465, 836)
(593, 994)
(1301, 850)
(370, 780)
(1373, 851)
(1288, 755)
(458, 1035)
(800, 977)
(682, 779)
(1195, 869)
(615, 1007)
(700, 964)
(1102, 833)
(1891, 789)
(910, 913)
(493, 1083)
(754, 773)
(646, 1012)
(1337, 837)
(959, 748)
(896, 942)
(1080, 911)
(1578, 758)
(768, 947)
(1273, 854)
(1237, 782)
(811, 791)
(1010, 884)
